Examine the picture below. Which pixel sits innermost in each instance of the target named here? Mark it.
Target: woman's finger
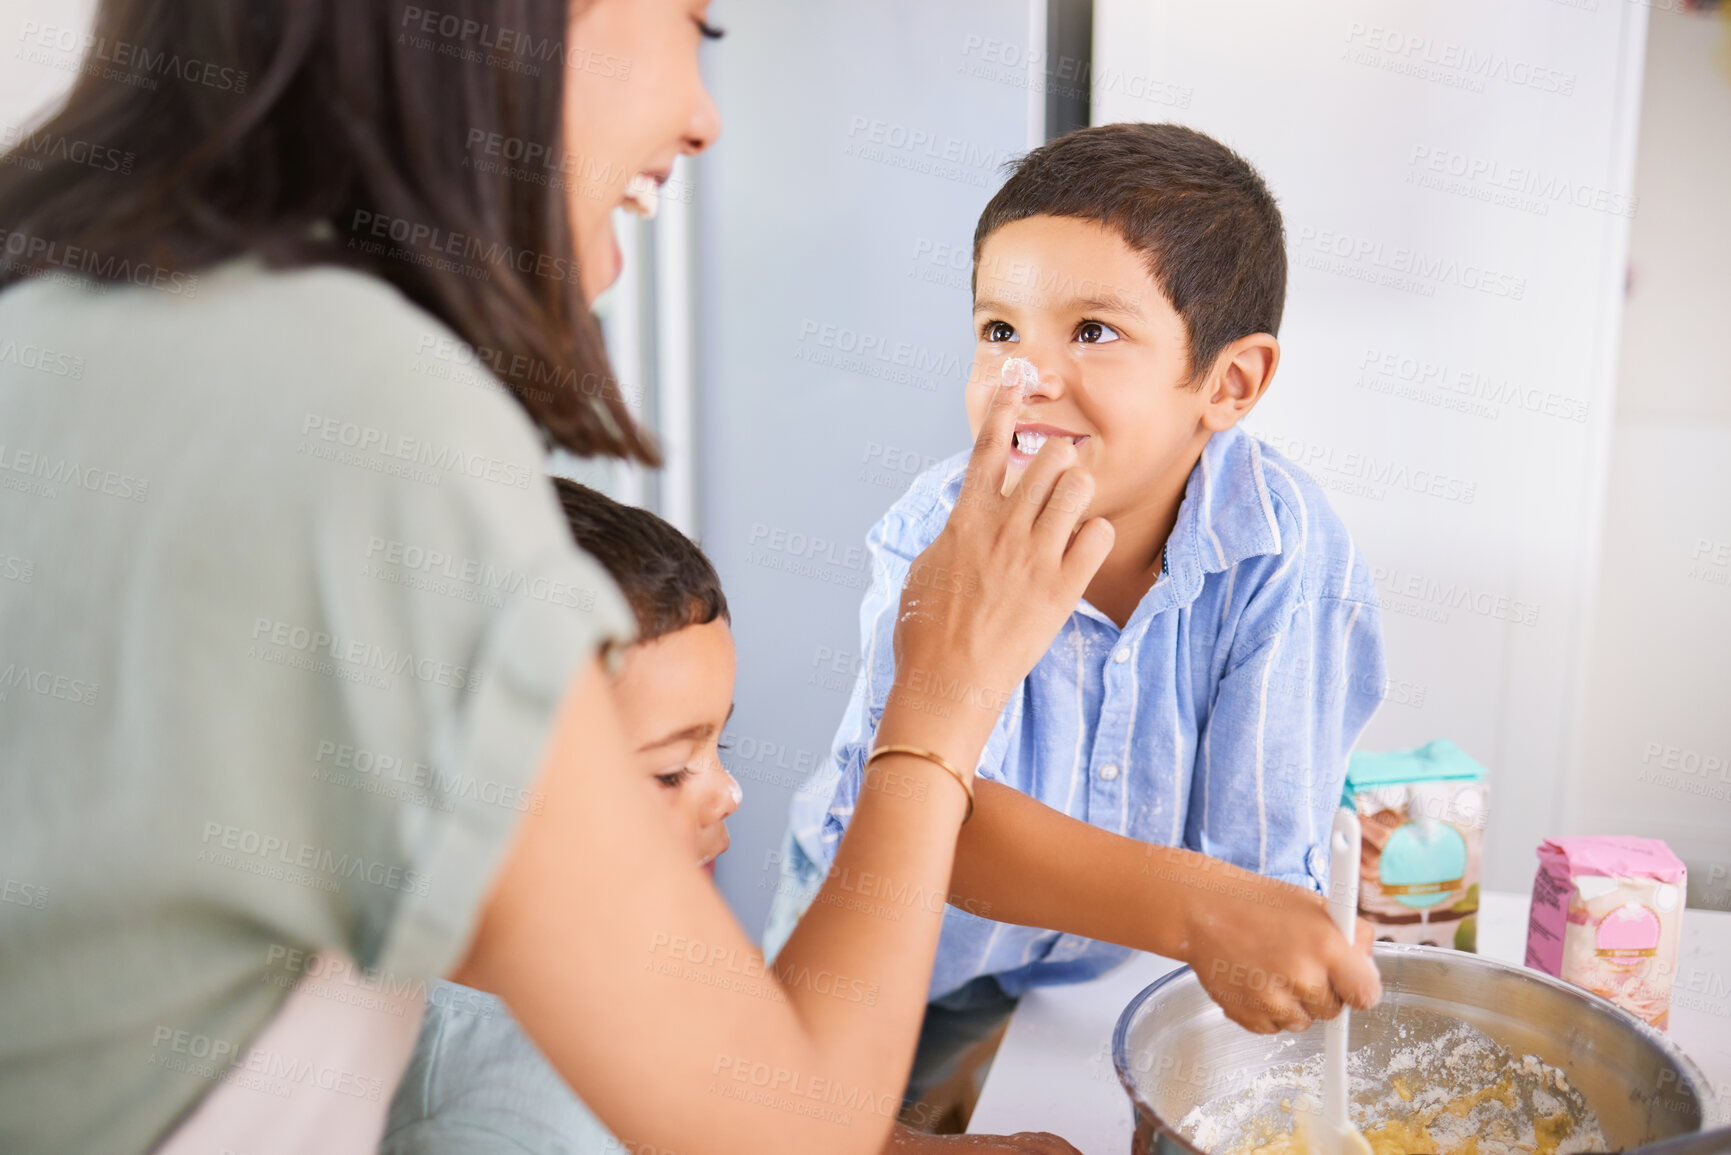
(990, 460)
(1087, 552)
(1034, 485)
(1071, 493)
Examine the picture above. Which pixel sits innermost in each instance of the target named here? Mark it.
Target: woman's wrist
(963, 779)
(954, 728)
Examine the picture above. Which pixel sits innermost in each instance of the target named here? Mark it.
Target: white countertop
(1054, 1070)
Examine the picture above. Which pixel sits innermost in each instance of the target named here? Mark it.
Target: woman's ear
(1242, 374)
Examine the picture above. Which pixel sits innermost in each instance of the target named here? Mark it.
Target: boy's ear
(1242, 374)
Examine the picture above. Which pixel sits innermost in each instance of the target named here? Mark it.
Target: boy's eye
(673, 779)
(998, 331)
(1095, 333)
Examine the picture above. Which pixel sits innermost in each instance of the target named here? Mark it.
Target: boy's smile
(1030, 435)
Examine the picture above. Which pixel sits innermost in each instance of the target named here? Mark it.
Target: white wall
(1657, 754)
(1448, 342)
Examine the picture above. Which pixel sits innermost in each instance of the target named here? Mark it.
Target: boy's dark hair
(661, 572)
(1198, 213)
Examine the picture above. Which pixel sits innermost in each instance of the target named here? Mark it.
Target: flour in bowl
(1441, 1088)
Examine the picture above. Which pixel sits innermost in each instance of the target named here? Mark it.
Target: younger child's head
(674, 688)
(1141, 268)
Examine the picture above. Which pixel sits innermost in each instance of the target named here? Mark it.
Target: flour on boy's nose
(1019, 372)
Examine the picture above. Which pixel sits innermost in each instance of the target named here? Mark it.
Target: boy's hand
(988, 596)
(1268, 953)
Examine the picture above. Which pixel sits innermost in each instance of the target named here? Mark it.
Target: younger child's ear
(1242, 374)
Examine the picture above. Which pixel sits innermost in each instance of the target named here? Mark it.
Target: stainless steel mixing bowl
(1174, 1049)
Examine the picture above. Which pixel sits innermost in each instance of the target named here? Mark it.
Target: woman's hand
(984, 601)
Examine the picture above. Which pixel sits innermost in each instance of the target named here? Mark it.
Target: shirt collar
(1227, 516)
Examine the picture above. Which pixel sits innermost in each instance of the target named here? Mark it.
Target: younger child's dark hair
(1198, 213)
(662, 573)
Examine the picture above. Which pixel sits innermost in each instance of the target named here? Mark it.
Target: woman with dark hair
(305, 667)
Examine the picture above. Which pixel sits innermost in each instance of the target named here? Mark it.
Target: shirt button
(1109, 771)
(1121, 654)
(1316, 862)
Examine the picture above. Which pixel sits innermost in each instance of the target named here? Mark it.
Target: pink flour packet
(1607, 913)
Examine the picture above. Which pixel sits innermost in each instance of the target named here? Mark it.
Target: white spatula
(1334, 1134)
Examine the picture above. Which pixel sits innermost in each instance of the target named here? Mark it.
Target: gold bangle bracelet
(929, 756)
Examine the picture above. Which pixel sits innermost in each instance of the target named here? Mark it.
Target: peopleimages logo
(421, 237)
(1369, 469)
(363, 655)
(255, 1068)
(403, 562)
(1516, 186)
(121, 60)
(922, 151)
(1063, 76)
(47, 683)
(347, 765)
(1466, 390)
(1433, 599)
(1448, 62)
(238, 841)
(19, 250)
(368, 439)
(1399, 267)
(40, 358)
(27, 150)
(515, 49)
(43, 475)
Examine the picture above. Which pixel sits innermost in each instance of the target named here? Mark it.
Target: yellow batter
(1412, 1135)
(1452, 1090)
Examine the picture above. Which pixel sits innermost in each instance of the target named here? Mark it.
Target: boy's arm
(1264, 950)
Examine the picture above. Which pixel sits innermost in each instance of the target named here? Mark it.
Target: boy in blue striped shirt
(1206, 693)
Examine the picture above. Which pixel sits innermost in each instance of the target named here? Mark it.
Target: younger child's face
(675, 695)
(1070, 296)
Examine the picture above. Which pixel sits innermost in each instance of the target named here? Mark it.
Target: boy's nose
(1050, 359)
(722, 798)
(1051, 385)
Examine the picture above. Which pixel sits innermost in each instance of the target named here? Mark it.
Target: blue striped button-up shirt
(1218, 719)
